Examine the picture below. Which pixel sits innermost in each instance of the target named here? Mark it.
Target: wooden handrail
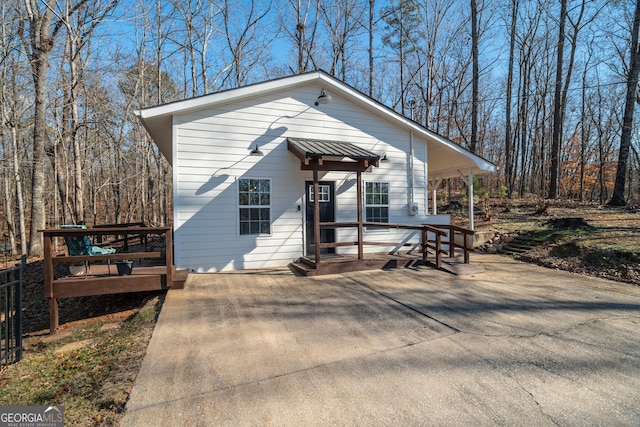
(465, 246)
(435, 244)
(61, 232)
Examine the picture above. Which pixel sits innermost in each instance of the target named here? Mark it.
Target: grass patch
(90, 371)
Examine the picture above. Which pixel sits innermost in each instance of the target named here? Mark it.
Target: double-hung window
(377, 201)
(254, 204)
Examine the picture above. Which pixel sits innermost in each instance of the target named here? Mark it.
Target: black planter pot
(124, 267)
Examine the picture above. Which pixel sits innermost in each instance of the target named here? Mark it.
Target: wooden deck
(346, 263)
(152, 269)
(103, 279)
(435, 241)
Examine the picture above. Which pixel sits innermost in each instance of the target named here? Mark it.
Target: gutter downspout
(471, 213)
(426, 178)
(411, 170)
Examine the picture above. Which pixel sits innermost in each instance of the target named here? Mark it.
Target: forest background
(545, 89)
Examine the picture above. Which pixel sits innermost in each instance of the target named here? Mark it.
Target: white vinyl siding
(212, 156)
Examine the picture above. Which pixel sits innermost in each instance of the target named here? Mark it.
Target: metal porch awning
(322, 155)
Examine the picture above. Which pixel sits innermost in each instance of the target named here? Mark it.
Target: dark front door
(327, 214)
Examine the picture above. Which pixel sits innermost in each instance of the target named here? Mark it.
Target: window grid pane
(325, 193)
(254, 198)
(377, 201)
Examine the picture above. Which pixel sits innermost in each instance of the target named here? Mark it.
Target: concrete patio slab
(515, 345)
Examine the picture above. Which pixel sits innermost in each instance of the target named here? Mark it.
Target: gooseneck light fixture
(256, 152)
(324, 98)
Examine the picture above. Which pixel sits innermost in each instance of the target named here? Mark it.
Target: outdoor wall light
(324, 98)
(384, 157)
(256, 152)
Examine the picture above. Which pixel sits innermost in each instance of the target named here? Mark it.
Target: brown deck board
(347, 263)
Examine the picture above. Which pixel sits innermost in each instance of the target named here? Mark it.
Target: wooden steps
(343, 264)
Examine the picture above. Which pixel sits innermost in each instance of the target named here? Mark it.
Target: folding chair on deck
(81, 245)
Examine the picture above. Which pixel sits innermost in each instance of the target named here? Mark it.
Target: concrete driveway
(515, 345)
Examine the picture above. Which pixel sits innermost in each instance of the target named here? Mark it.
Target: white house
(244, 160)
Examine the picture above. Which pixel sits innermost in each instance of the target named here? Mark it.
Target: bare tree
(199, 20)
(618, 198)
(243, 41)
(508, 167)
(475, 76)
(38, 31)
(13, 109)
(341, 19)
(556, 143)
(304, 14)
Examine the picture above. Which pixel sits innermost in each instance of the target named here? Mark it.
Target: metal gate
(11, 314)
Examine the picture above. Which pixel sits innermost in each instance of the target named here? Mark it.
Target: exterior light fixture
(256, 152)
(384, 157)
(324, 98)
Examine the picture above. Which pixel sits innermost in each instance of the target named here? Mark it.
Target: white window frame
(240, 206)
(325, 193)
(377, 205)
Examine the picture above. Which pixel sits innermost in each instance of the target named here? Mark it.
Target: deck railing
(439, 239)
(144, 279)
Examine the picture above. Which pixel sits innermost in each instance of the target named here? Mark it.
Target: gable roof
(446, 159)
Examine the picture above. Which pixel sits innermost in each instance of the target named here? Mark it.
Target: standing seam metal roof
(316, 148)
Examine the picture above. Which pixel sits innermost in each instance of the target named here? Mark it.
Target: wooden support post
(53, 315)
(438, 249)
(425, 242)
(466, 248)
(168, 239)
(316, 215)
(48, 283)
(452, 242)
(359, 209)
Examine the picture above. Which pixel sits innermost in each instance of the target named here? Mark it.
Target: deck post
(168, 238)
(452, 242)
(466, 248)
(359, 204)
(48, 283)
(438, 249)
(316, 215)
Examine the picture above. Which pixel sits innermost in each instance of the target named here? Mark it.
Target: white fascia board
(230, 95)
(481, 165)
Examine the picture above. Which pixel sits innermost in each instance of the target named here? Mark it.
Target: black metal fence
(11, 314)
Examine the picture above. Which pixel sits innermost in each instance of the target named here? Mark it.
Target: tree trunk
(507, 138)
(371, 11)
(618, 198)
(41, 40)
(475, 78)
(556, 142)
